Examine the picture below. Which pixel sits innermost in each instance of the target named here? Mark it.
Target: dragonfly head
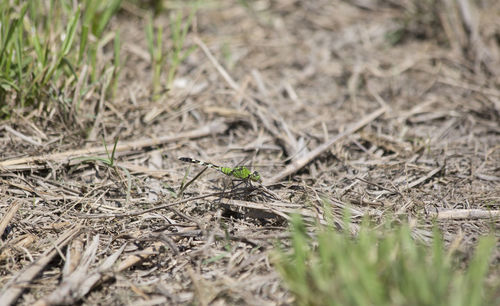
(255, 176)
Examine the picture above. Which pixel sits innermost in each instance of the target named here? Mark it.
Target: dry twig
(9, 215)
(16, 285)
(457, 214)
(300, 163)
(79, 282)
(213, 128)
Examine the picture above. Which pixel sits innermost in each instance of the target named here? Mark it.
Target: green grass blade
(83, 42)
(20, 64)
(113, 152)
(474, 278)
(14, 24)
(67, 43)
(380, 267)
(110, 10)
(149, 37)
(70, 33)
(4, 81)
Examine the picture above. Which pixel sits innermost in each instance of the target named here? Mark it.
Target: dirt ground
(384, 108)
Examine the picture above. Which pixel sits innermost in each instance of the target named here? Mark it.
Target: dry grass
(312, 93)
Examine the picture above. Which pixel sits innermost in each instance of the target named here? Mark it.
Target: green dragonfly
(238, 172)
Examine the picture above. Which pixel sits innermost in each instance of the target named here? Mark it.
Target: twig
(183, 187)
(260, 210)
(13, 289)
(457, 214)
(22, 136)
(213, 128)
(300, 163)
(78, 283)
(140, 256)
(8, 216)
(379, 186)
(472, 87)
(218, 66)
(423, 178)
(259, 110)
(140, 212)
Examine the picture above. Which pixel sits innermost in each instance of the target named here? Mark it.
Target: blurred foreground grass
(384, 266)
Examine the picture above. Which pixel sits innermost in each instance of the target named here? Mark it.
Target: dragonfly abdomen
(199, 162)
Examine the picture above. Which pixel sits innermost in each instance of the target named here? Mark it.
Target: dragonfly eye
(256, 175)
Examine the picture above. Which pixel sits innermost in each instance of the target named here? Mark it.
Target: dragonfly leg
(234, 186)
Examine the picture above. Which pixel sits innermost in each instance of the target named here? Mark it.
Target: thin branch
(16, 285)
(457, 214)
(213, 128)
(300, 163)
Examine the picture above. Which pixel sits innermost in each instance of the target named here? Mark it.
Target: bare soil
(384, 108)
